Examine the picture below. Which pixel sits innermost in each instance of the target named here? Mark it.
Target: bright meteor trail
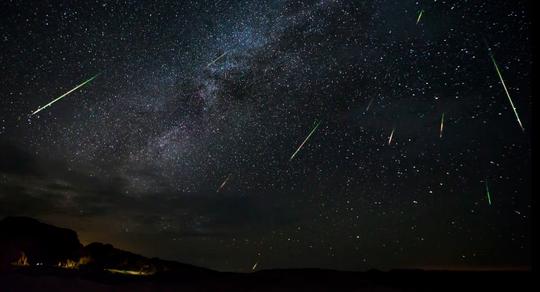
(506, 91)
(419, 16)
(442, 126)
(63, 95)
(369, 105)
(391, 135)
(223, 183)
(487, 193)
(305, 140)
(216, 59)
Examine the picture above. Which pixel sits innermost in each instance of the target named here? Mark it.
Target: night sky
(194, 94)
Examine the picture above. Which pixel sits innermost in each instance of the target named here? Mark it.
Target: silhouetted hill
(54, 260)
(41, 243)
(28, 242)
(105, 256)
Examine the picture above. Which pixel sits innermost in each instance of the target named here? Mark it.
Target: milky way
(192, 94)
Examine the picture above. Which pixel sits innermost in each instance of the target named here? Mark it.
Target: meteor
(506, 91)
(305, 140)
(61, 96)
(215, 60)
(442, 125)
(419, 16)
(487, 193)
(369, 105)
(391, 135)
(223, 183)
(254, 266)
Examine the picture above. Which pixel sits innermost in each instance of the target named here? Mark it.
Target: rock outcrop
(25, 240)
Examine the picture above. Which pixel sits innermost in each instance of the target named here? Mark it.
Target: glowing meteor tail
(254, 266)
(442, 126)
(419, 16)
(216, 59)
(391, 136)
(369, 105)
(506, 91)
(305, 140)
(63, 95)
(223, 183)
(487, 193)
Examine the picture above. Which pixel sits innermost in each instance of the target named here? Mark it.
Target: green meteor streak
(391, 136)
(442, 125)
(63, 95)
(506, 91)
(215, 60)
(419, 16)
(305, 140)
(487, 193)
(369, 105)
(223, 184)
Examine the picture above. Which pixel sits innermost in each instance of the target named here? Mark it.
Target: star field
(192, 94)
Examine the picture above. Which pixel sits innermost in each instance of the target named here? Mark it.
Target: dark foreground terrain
(38, 257)
(272, 280)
